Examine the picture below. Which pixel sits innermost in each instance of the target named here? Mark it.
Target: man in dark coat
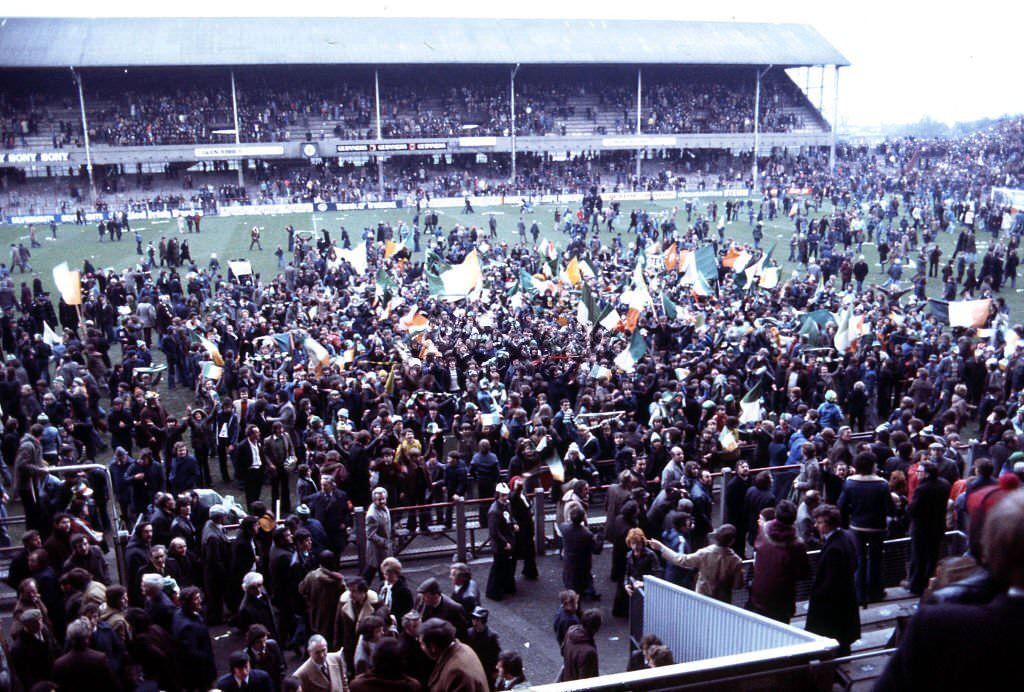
(250, 464)
(33, 649)
(243, 676)
(780, 561)
(927, 512)
(215, 550)
(735, 505)
(832, 610)
(579, 545)
(579, 650)
(195, 650)
(482, 640)
(431, 603)
(502, 528)
(331, 508)
(255, 608)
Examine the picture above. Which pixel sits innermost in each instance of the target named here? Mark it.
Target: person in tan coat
(456, 667)
(322, 671)
(719, 568)
(354, 605)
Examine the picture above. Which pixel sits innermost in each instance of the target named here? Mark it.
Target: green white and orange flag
(671, 258)
(414, 321)
(572, 273)
(628, 358)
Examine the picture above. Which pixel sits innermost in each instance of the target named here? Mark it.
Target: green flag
(750, 405)
(636, 350)
(587, 310)
(526, 282)
(670, 308)
(707, 263)
(386, 286)
(434, 284)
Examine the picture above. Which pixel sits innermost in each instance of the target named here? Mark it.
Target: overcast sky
(909, 59)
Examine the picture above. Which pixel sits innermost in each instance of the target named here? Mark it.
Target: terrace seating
(179, 110)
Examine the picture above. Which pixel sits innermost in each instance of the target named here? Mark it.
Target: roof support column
(380, 161)
(85, 135)
(757, 126)
(238, 138)
(639, 123)
(835, 121)
(512, 120)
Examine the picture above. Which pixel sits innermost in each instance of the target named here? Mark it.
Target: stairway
(870, 653)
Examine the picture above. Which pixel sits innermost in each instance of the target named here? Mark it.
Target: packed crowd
(352, 380)
(690, 107)
(164, 110)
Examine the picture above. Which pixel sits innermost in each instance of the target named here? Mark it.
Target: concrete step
(862, 673)
(874, 615)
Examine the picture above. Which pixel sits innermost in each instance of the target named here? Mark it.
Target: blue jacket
(830, 416)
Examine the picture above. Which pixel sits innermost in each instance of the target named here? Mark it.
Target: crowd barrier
(484, 201)
(714, 645)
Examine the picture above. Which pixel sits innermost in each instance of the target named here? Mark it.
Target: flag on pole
(962, 313)
(414, 321)
(632, 354)
(769, 278)
(737, 259)
(68, 283)
(670, 308)
(546, 249)
(210, 348)
(611, 321)
(390, 248)
(355, 257)
(844, 339)
(587, 310)
(750, 405)
(701, 287)
(757, 268)
(671, 258)
(316, 353)
(587, 270)
(458, 282)
(51, 337)
(572, 272)
(212, 371)
(385, 287)
(641, 296)
(706, 263)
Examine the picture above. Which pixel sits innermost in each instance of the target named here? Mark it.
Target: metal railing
(117, 528)
(711, 640)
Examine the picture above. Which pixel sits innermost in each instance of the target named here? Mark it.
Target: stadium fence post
(460, 529)
(539, 502)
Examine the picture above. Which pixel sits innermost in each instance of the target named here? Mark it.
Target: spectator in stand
(991, 622)
(579, 650)
(780, 561)
(865, 504)
(456, 667)
(832, 610)
(719, 568)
